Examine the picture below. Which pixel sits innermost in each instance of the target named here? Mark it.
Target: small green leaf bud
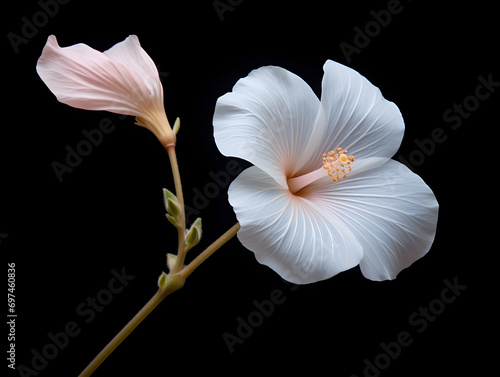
(173, 208)
(162, 280)
(194, 234)
(168, 195)
(171, 259)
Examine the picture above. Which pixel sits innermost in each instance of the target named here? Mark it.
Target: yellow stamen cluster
(336, 163)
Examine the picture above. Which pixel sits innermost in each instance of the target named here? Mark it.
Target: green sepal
(171, 261)
(172, 220)
(194, 234)
(168, 195)
(177, 125)
(162, 280)
(173, 208)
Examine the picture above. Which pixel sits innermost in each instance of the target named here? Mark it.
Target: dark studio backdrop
(71, 235)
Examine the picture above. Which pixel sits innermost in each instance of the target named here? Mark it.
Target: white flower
(308, 214)
(122, 80)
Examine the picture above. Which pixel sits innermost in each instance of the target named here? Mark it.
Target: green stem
(173, 283)
(181, 229)
(171, 286)
(188, 270)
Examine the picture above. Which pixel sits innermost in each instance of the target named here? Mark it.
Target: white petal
(359, 118)
(270, 119)
(85, 78)
(390, 210)
(293, 236)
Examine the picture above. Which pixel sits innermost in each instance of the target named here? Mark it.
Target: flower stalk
(171, 286)
(181, 224)
(168, 283)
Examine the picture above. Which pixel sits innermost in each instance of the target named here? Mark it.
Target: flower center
(335, 163)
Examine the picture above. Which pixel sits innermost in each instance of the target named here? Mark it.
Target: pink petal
(131, 54)
(84, 78)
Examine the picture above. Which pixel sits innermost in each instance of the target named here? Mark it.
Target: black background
(107, 214)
